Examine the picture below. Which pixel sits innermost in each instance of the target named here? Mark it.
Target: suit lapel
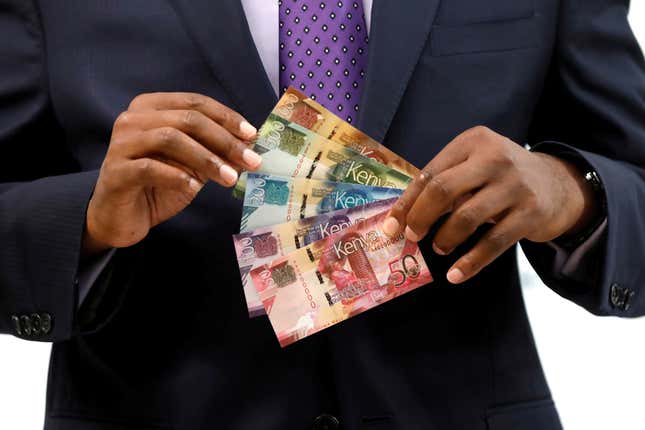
(220, 30)
(399, 31)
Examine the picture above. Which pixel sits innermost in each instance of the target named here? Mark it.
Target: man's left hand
(482, 177)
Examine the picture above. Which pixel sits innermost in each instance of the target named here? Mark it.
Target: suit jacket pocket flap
(483, 36)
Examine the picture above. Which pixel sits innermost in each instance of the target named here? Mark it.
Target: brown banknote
(302, 110)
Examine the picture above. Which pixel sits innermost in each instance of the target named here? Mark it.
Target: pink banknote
(335, 278)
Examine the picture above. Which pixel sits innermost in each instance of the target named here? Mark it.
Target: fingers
(450, 156)
(232, 121)
(149, 172)
(493, 244)
(202, 129)
(486, 204)
(439, 197)
(172, 144)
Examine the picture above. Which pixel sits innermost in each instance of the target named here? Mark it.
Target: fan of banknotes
(311, 250)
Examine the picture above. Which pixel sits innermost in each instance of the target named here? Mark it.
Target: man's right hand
(163, 150)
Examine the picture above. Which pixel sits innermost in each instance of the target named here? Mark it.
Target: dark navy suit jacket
(165, 342)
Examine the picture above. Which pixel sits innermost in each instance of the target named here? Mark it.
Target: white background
(595, 366)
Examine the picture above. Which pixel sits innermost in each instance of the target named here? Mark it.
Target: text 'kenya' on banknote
(290, 150)
(271, 199)
(302, 110)
(336, 278)
(262, 245)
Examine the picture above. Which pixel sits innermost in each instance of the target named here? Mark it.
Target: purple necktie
(323, 51)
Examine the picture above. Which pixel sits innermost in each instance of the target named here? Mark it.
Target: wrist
(583, 201)
(572, 199)
(582, 191)
(91, 244)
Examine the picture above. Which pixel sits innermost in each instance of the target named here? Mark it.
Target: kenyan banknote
(290, 150)
(302, 110)
(336, 278)
(265, 244)
(271, 199)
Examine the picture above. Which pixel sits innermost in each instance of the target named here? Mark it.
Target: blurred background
(595, 366)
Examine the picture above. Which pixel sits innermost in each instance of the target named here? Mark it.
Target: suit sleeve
(594, 107)
(43, 195)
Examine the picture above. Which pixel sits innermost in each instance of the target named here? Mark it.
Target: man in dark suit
(123, 123)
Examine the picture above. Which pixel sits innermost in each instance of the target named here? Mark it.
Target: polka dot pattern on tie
(323, 52)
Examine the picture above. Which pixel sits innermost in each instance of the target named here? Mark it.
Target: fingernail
(228, 174)
(247, 130)
(438, 250)
(390, 226)
(411, 235)
(194, 184)
(455, 276)
(251, 158)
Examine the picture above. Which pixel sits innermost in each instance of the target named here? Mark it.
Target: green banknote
(291, 150)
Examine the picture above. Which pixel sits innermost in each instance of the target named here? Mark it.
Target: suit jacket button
(36, 324)
(25, 324)
(16, 324)
(629, 293)
(326, 422)
(615, 295)
(45, 323)
(620, 297)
